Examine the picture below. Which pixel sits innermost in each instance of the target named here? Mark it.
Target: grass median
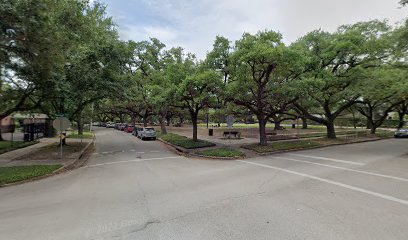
(20, 173)
(185, 142)
(281, 146)
(221, 152)
(6, 146)
(85, 134)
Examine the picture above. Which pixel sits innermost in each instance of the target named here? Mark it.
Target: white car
(110, 124)
(146, 133)
(401, 133)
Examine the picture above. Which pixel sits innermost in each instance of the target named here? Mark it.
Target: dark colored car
(123, 126)
(401, 133)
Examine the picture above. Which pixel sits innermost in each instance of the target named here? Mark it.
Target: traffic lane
(115, 146)
(210, 199)
(85, 202)
(374, 178)
(242, 201)
(363, 153)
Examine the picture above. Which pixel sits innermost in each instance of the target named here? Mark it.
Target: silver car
(146, 133)
(401, 133)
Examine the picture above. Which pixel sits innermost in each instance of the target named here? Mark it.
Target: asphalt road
(134, 189)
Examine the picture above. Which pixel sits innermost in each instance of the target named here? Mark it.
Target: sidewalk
(19, 157)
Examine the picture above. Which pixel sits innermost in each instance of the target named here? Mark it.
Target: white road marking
(132, 150)
(140, 152)
(128, 161)
(347, 169)
(357, 189)
(327, 159)
(104, 152)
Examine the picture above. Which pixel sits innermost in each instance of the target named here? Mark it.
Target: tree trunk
(277, 125)
(369, 124)
(373, 129)
(194, 120)
(163, 125)
(304, 123)
(145, 120)
(168, 119)
(1, 137)
(80, 124)
(400, 118)
(262, 131)
(331, 133)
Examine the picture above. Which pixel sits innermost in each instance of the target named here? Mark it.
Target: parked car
(136, 130)
(147, 133)
(110, 125)
(401, 133)
(129, 128)
(122, 127)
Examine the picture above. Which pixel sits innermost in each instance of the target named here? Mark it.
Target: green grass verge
(220, 152)
(185, 142)
(279, 146)
(20, 173)
(86, 134)
(6, 146)
(384, 134)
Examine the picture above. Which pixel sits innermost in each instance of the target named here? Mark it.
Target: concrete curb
(70, 166)
(217, 158)
(315, 147)
(179, 149)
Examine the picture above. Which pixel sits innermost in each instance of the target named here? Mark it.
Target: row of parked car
(140, 132)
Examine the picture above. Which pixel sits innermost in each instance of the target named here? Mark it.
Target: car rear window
(149, 129)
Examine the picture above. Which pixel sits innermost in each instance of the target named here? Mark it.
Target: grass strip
(20, 173)
(85, 135)
(6, 146)
(279, 146)
(220, 152)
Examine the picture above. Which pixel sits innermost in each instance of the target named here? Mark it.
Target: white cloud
(194, 24)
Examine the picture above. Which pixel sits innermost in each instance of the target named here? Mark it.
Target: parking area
(142, 190)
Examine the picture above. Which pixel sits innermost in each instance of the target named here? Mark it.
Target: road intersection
(133, 189)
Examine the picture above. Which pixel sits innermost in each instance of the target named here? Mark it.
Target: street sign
(230, 121)
(61, 123)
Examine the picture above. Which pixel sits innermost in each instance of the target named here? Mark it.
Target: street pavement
(133, 189)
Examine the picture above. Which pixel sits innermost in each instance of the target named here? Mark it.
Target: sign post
(61, 124)
(230, 122)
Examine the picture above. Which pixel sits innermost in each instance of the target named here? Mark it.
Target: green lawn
(220, 152)
(185, 142)
(384, 134)
(6, 146)
(86, 134)
(20, 173)
(278, 146)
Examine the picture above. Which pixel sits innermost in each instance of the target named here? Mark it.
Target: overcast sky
(193, 24)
